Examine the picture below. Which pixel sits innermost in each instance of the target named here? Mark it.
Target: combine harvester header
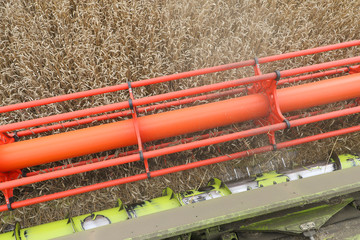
(257, 98)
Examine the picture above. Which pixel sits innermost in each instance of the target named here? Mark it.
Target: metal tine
(272, 165)
(248, 172)
(283, 161)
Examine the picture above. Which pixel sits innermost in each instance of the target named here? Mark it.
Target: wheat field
(55, 47)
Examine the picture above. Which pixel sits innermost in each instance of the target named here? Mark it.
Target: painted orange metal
(158, 126)
(319, 93)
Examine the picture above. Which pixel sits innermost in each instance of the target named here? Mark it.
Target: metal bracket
(9, 193)
(134, 114)
(256, 87)
(268, 88)
(354, 69)
(4, 177)
(6, 139)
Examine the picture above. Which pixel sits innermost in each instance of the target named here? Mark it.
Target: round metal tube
(150, 148)
(313, 75)
(158, 126)
(179, 168)
(181, 147)
(170, 104)
(128, 112)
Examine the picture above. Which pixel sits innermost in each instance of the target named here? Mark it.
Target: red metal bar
(128, 112)
(307, 52)
(177, 148)
(176, 76)
(188, 166)
(138, 102)
(173, 103)
(318, 137)
(63, 194)
(81, 163)
(318, 112)
(313, 75)
(320, 66)
(158, 146)
(159, 126)
(177, 94)
(185, 140)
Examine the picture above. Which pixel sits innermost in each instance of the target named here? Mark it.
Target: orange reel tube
(158, 126)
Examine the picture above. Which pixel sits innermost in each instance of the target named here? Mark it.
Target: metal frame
(262, 83)
(232, 208)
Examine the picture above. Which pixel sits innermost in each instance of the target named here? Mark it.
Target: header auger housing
(313, 213)
(261, 101)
